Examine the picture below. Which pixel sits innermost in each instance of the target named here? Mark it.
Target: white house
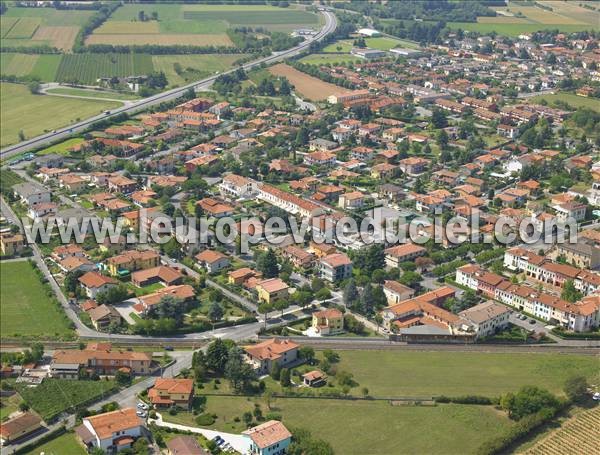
(269, 438)
(112, 431)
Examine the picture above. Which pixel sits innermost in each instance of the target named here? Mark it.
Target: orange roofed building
(102, 359)
(171, 391)
(112, 431)
(269, 438)
(263, 356)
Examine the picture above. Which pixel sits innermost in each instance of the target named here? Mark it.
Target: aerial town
(380, 234)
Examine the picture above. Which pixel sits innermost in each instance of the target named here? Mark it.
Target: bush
(467, 399)
(205, 420)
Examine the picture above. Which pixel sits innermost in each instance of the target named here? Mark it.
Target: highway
(62, 133)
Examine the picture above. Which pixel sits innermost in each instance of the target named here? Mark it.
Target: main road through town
(46, 138)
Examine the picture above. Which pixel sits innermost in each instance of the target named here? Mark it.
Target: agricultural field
(26, 308)
(516, 19)
(356, 427)
(20, 110)
(192, 67)
(61, 148)
(197, 25)
(55, 396)
(571, 99)
(307, 86)
(65, 443)
(333, 59)
(87, 68)
(576, 435)
(42, 26)
(443, 373)
(42, 67)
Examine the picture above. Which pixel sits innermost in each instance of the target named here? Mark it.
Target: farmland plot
(24, 28)
(87, 68)
(307, 86)
(61, 37)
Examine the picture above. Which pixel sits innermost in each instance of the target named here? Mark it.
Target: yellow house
(132, 261)
(328, 322)
(172, 391)
(272, 290)
(11, 244)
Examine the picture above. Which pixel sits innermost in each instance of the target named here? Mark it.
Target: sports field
(357, 427)
(307, 86)
(26, 309)
(192, 67)
(20, 110)
(397, 373)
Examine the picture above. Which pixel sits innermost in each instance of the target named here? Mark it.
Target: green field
(516, 29)
(571, 99)
(9, 405)
(42, 67)
(20, 110)
(101, 94)
(194, 67)
(66, 443)
(55, 396)
(61, 148)
(322, 59)
(397, 373)
(370, 427)
(26, 309)
(87, 68)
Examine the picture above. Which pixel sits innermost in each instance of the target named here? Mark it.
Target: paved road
(329, 27)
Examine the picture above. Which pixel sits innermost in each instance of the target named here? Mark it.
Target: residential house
(32, 194)
(103, 360)
(413, 166)
(212, 260)
(19, 427)
(396, 292)
(335, 267)
(272, 290)
(185, 445)
(132, 260)
(269, 438)
(11, 244)
(486, 319)
(263, 355)
(103, 316)
(111, 431)
(168, 392)
(395, 255)
(93, 283)
(167, 276)
(328, 322)
(314, 378)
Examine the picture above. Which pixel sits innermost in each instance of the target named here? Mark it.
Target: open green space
(420, 373)
(509, 29)
(55, 396)
(87, 68)
(61, 148)
(26, 308)
(357, 427)
(571, 99)
(66, 443)
(102, 94)
(182, 69)
(20, 110)
(8, 405)
(42, 67)
(323, 59)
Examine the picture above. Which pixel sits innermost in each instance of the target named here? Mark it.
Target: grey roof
(27, 189)
(483, 312)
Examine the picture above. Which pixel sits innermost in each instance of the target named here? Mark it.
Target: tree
(122, 377)
(284, 377)
(265, 308)
(570, 293)
(217, 355)
(115, 294)
(140, 447)
(307, 354)
(528, 400)
(172, 248)
(331, 356)
(267, 264)
(281, 305)
(576, 388)
(34, 87)
(215, 312)
(21, 135)
(275, 371)
(323, 294)
(350, 294)
(239, 373)
(438, 119)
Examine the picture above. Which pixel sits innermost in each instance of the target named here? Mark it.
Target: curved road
(330, 26)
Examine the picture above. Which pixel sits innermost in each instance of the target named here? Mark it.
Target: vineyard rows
(87, 68)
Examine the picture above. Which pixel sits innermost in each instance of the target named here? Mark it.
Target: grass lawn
(193, 67)
(571, 99)
(65, 444)
(9, 405)
(21, 110)
(511, 29)
(369, 427)
(62, 148)
(26, 309)
(384, 43)
(54, 396)
(321, 59)
(93, 93)
(398, 373)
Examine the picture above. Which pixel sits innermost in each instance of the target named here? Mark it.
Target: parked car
(143, 406)
(596, 396)
(141, 414)
(532, 321)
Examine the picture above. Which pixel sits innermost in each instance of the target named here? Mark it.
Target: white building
(112, 431)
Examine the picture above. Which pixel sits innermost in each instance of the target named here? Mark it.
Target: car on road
(169, 348)
(532, 321)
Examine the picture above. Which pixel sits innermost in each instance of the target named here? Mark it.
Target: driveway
(239, 443)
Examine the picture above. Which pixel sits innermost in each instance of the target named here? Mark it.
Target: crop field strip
(24, 28)
(6, 25)
(61, 37)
